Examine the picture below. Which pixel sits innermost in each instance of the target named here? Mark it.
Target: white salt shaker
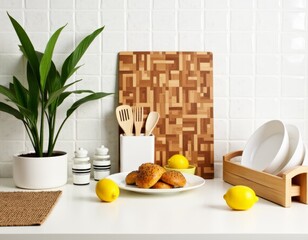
(81, 167)
(101, 163)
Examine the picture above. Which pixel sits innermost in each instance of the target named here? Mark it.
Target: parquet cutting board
(178, 85)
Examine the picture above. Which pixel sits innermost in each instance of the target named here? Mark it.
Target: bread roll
(148, 175)
(131, 178)
(174, 178)
(144, 166)
(161, 185)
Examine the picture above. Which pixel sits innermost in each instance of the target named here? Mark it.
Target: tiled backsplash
(260, 61)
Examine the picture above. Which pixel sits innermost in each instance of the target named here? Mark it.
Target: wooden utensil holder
(291, 185)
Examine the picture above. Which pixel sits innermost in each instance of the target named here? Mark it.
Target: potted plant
(36, 103)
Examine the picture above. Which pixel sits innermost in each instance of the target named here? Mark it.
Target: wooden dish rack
(291, 185)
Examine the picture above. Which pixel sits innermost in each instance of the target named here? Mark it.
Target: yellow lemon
(107, 190)
(178, 161)
(240, 197)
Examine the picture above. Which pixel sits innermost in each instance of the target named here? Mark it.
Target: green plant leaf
(33, 86)
(64, 95)
(21, 93)
(53, 82)
(32, 79)
(54, 95)
(71, 61)
(10, 94)
(26, 113)
(63, 80)
(91, 97)
(47, 57)
(10, 110)
(26, 43)
(21, 101)
(22, 96)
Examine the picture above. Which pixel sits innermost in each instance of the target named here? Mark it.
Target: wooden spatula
(125, 119)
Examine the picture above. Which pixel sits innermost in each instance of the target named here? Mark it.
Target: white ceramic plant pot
(40, 172)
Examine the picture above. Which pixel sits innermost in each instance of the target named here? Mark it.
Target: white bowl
(296, 152)
(267, 148)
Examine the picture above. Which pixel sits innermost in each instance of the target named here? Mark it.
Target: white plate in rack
(192, 182)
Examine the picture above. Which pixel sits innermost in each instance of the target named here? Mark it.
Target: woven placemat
(26, 208)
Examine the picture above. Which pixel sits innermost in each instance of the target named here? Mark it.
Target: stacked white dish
(275, 148)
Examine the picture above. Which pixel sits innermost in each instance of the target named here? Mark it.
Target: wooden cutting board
(178, 85)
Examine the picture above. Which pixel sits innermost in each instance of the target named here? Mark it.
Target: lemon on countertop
(107, 190)
(178, 161)
(240, 197)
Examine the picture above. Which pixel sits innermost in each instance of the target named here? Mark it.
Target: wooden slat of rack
(261, 178)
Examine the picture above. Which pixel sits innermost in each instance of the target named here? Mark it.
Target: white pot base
(40, 173)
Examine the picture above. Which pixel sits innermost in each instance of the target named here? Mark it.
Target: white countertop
(197, 214)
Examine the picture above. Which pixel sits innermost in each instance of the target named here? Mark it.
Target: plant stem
(33, 135)
(58, 132)
(30, 135)
(41, 137)
(52, 123)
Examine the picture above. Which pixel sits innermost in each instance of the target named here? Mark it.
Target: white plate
(267, 148)
(192, 182)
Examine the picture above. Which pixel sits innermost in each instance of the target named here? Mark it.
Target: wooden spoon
(125, 119)
(151, 122)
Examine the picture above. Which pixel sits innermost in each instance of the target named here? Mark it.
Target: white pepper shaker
(101, 163)
(81, 167)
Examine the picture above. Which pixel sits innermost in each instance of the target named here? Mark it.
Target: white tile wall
(260, 61)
